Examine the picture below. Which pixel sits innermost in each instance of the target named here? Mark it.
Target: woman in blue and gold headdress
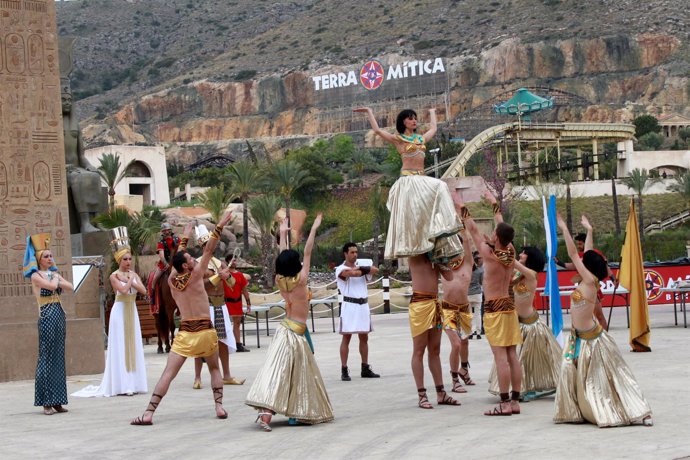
(39, 266)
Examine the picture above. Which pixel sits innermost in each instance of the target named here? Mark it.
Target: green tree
(360, 162)
(684, 135)
(646, 124)
(216, 200)
(682, 187)
(244, 176)
(377, 201)
(286, 177)
(263, 211)
(111, 173)
(650, 141)
(638, 181)
(341, 149)
(313, 159)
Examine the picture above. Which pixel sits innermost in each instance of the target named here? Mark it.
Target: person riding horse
(166, 249)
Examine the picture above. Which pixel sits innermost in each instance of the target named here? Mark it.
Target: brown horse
(163, 310)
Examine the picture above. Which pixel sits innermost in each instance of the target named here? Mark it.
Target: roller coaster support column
(595, 159)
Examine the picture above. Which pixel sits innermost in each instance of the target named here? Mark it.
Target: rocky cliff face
(620, 76)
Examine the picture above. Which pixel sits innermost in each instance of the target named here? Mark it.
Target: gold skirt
(457, 317)
(290, 382)
(198, 344)
(501, 323)
(539, 355)
(424, 313)
(596, 384)
(423, 219)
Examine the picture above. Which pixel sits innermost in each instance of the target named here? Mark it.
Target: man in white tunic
(354, 311)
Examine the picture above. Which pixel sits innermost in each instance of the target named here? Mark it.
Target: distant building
(148, 177)
(672, 123)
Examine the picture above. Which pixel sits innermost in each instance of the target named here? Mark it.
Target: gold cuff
(217, 231)
(214, 279)
(183, 243)
(464, 212)
(496, 208)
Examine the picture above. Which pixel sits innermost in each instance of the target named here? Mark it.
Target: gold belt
(294, 326)
(43, 301)
(412, 172)
(590, 334)
(125, 297)
(530, 319)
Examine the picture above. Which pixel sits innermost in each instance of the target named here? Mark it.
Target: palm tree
(377, 201)
(682, 187)
(143, 228)
(263, 211)
(567, 177)
(360, 162)
(109, 170)
(244, 176)
(638, 181)
(216, 200)
(287, 177)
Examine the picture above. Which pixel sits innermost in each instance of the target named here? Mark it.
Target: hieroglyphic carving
(33, 196)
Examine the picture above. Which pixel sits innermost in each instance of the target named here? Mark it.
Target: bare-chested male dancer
(500, 318)
(197, 338)
(456, 314)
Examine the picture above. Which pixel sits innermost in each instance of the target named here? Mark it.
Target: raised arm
(589, 240)
(524, 271)
(283, 232)
(495, 207)
(309, 245)
(572, 250)
(432, 126)
(467, 219)
(385, 135)
(210, 247)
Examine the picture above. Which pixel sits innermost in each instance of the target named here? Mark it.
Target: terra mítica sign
(372, 74)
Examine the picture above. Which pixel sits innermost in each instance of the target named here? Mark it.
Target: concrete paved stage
(375, 418)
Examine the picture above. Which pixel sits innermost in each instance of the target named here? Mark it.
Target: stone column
(33, 188)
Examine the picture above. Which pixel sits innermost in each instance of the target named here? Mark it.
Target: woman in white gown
(125, 370)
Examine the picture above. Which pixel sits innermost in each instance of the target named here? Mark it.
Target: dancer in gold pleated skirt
(290, 382)
(596, 384)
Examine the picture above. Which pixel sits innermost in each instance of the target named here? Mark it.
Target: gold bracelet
(217, 231)
(183, 243)
(496, 208)
(464, 212)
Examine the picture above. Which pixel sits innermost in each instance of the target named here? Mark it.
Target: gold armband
(464, 212)
(214, 279)
(496, 208)
(217, 231)
(183, 243)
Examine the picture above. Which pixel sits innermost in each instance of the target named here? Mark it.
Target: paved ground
(374, 418)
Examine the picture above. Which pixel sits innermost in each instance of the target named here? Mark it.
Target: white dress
(125, 370)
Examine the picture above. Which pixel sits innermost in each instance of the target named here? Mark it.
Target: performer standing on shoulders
(355, 317)
(216, 272)
(290, 382)
(48, 284)
(197, 338)
(234, 288)
(500, 319)
(423, 226)
(125, 369)
(595, 384)
(457, 317)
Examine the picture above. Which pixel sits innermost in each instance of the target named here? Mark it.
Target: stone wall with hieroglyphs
(33, 189)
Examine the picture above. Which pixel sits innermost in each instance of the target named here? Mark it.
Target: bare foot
(48, 410)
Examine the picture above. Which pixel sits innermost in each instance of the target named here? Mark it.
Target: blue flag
(551, 288)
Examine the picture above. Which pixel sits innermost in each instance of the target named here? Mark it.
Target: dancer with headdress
(125, 369)
(216, 273)
(596, 384)
(48, 284)
(423, 227)
(290, 382)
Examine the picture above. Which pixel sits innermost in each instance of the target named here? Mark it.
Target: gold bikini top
(414, 145)
(578, 299)
(506, 257)
(287, 283)
(521, 288)
(180, 282)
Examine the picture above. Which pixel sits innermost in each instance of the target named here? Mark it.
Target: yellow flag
(631, 277)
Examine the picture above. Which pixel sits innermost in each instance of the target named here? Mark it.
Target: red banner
(656, 278)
